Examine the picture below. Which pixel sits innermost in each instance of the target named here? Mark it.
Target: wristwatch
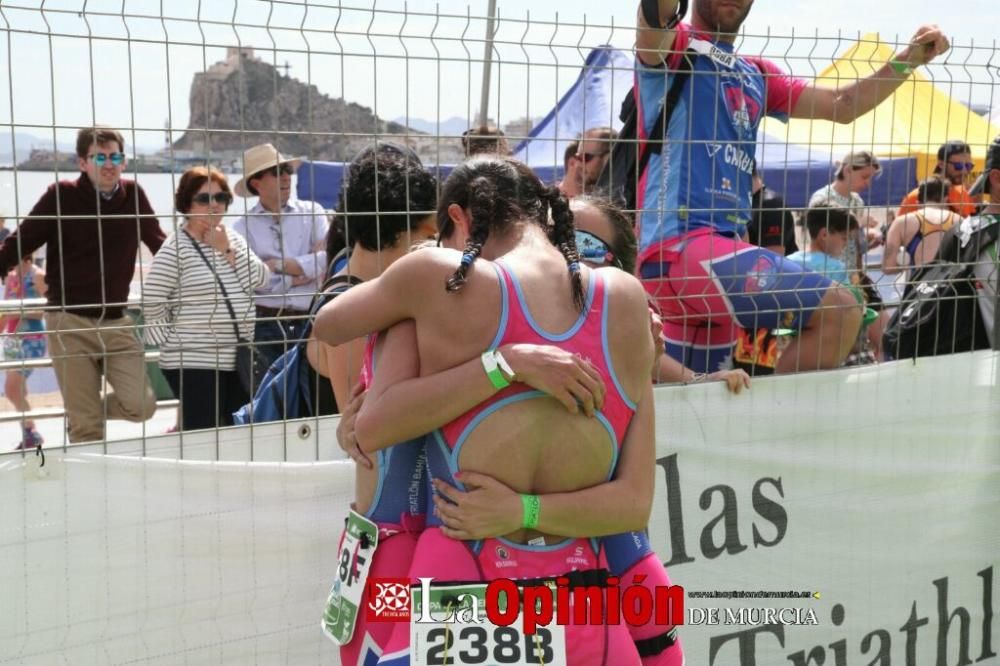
(651, 14)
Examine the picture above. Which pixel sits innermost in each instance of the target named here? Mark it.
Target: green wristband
(492, 369)
(532, 508)
(900, 67)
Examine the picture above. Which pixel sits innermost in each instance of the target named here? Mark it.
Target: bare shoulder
(427, 268)
(624, 290)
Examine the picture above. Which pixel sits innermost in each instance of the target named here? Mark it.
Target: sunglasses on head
(586, 157)
(204, 198)
(100, 158)
(962, 166)
(592, 249)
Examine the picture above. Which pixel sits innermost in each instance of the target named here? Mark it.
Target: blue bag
(285, 392)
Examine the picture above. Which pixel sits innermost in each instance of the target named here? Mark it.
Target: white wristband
(504, 366)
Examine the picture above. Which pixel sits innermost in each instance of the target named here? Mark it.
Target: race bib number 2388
(460, 634)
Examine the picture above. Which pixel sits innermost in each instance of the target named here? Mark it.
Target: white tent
(594, 100)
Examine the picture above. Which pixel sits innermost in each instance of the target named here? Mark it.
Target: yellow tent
(914, 121)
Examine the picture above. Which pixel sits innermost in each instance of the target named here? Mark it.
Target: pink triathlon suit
(398, 508)
(446, 559)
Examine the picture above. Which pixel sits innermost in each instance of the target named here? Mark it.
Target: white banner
(878, 488)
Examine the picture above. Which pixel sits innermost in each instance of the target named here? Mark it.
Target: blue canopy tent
(797, 171)
(320, 181)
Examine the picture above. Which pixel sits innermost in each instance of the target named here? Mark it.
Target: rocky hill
(244, 101)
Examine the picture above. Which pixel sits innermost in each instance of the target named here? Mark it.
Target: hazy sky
(119, 70)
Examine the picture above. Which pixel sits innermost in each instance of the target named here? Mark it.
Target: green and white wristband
(497, 369)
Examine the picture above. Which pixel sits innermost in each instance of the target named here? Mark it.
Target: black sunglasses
(204, 198)
(281, 169)
(586, 157)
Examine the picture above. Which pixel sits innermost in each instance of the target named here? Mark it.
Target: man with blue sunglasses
(955, 165)
(91, 227)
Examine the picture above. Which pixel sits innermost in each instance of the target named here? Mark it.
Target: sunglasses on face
(280, 170)
(592, 249)
(587, 157)
(204, 198)
(101, 158)
(962, 166)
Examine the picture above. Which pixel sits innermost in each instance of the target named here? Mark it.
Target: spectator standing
(919, 232)
(954, 164)
(92, 227)
(772, 226)
(854, 175)
(202, 271)
(592, 155)
(694, 214)
(987, 269)
(569, 185)
(289, 236)
(24, 339)
(485, 139)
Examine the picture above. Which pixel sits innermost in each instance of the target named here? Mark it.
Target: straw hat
(261, 158)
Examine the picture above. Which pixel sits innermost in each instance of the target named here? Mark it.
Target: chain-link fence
(194, 84)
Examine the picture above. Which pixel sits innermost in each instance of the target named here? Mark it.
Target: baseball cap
(982, 184)
(952, 148)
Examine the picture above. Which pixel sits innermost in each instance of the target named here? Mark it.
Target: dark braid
(562, 233)
(482, 208)
(498, 192)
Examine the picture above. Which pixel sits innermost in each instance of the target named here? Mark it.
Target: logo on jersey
(761, 277)
(388, 599)
(713, 148)
(744, 110)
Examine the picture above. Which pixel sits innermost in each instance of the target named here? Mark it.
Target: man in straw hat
(289, 236)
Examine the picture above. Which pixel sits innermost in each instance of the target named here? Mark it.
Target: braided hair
(562, 234)
(498, 192)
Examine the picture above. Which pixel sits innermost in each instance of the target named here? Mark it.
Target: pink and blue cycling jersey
(702, 178)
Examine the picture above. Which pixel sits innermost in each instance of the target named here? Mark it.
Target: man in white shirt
(289, 235)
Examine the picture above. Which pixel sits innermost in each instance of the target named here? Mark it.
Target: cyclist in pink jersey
(497, 207)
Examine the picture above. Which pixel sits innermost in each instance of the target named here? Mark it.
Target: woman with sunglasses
(198, 302)
(605, 237)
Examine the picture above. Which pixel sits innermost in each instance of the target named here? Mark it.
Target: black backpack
(629, 153)
(939, 312)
